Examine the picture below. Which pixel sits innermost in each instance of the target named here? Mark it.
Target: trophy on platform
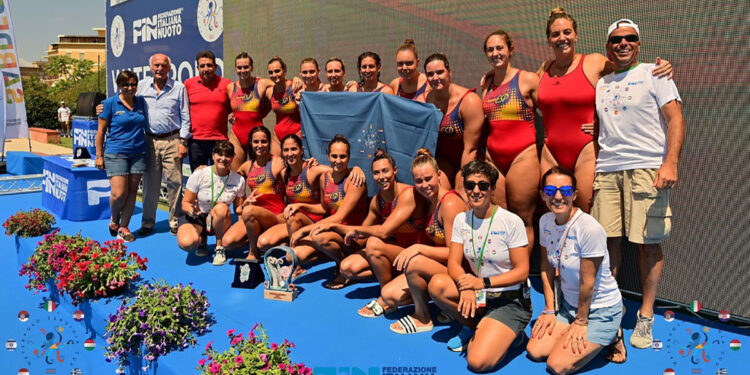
(280, 261)
(247, 273)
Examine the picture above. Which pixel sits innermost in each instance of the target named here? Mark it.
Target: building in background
(89, 47)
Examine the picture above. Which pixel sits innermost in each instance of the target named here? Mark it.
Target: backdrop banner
(370, 121)
(14, 111)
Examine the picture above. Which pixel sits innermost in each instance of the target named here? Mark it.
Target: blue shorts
(603, 322)
(124, 164)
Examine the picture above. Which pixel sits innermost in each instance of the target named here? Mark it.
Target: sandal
(409, 326)
(123, 233)
(113, 229)
(334, 284)
(613, 349)
(375, 310)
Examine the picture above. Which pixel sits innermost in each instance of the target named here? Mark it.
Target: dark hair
(250, 154)
(361, 57)
(223, 148)
(124, 77)
(424, 156)
(310, 59)
(409, 45)
(381, 154)
(558, 170)
(244, 55)
(277, 58)
(339, 138)
(206, 54)
(502, 33)
(557, 13)
(480, 167)
(336, 59)
(437, 56)
(288, 168)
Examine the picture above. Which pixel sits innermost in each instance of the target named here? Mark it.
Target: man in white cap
(63, 117)
(640, 135)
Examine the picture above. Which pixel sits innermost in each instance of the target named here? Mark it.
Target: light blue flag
(370, 121)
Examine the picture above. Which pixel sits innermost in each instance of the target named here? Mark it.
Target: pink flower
(282, 366)
(202, 362)
(230, 332)
(236, 339)
(238, 360)
(215, 367)
(263, 358)
(274, 346)
(208, 346)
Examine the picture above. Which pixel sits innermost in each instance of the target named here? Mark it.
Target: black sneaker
(145, 231)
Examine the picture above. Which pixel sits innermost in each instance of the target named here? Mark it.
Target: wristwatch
(487, 283)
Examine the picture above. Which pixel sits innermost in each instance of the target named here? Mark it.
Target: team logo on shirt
(335, 196)
(296, 188)
(259, 179)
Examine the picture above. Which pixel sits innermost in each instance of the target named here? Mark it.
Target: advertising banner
(137, 29)
(14, 116)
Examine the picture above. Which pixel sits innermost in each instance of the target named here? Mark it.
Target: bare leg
(254, 221)
(650, 265)
(356, 267)
(129, 206)
(443, 291)
(584, 172)
(275, 235)
(221, 220)
(118, 196)
(522, 188)
(419, 272)
(489, 345)
(540, 347)
(562, 360)
(189, 236)
(381, 255)
(614, 245)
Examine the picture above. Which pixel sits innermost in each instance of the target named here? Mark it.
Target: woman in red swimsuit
(265, 202)
(282, 97)
(369, 75)
(566, 99)
(411, 83)
(335, 72)
(508, 101)
(309, 72)
(461, 128)
(249, 106)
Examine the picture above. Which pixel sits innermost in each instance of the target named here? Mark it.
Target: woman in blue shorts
(588, 312)
(123, 156)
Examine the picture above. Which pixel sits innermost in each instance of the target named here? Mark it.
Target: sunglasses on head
(470, 185)
(630, 38)
(565, 191)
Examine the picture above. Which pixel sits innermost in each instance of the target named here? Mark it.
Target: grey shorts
(603, 322)
(124, 164)
(510, 312)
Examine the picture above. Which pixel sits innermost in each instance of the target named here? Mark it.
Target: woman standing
(590, 310)
(124, 154)
(208, 193)
(369, 75)
(249, 107)
(282, 97)
(335, 72)
(461, 128)
(411, 83)
(263, 207)
(309, 72)
(491, 297)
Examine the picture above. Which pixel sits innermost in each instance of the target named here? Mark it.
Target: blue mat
(329, 335)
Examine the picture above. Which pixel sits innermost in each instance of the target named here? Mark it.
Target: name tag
(481, 298)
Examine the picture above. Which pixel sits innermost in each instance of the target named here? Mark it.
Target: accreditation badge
(481, 298)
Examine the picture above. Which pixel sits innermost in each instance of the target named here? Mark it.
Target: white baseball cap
(623, 23)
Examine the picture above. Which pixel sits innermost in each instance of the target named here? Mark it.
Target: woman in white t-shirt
(491, 297)
(589, 312)
(208, 193)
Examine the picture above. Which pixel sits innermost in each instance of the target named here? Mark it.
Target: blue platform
(23, 163)
(330, 336)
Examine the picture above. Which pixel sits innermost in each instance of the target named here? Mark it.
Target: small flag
(78, 315)
(669, 371)
(11, 345)
(722, 371)
(657, 345)
(23, 315)
(669, 316)
(695, 306)
(89, 344)
(724, 316)
(50, 305)
(76, 371)
(23, 371)
(735, 345)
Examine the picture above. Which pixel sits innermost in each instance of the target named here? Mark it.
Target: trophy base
(280, 295)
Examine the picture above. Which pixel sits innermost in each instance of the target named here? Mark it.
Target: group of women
(466, 249)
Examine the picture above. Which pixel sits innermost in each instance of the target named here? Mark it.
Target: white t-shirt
(64, 114)
(507, 232)
(632, 128)
(586, 239)
(200, 183)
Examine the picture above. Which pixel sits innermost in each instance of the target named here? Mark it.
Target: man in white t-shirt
(640, 135)
(63, 117)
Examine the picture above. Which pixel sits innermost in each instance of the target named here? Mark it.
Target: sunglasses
(565, 191)
(630, 38)
(470, 185)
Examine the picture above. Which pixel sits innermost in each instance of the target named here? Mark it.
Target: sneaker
(173, 231)
(220, 258)
(201, 251)
(124, 234)
(145, 231)
(642, 337)
(460, 341)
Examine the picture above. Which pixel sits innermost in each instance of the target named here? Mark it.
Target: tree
(67, 69)
(41, 109)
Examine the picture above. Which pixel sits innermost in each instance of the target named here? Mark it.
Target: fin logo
(159, 26)
(96, 190)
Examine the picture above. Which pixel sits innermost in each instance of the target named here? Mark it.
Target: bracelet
(548, 312)
(581, 322)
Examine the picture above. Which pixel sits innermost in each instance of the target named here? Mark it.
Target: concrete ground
(38, 148)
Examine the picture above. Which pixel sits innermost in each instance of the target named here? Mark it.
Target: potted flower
(31, 223)
(251, 355)
(48, 258)
(160, 319)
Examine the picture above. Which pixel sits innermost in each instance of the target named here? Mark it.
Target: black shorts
(199, 220)
(510, 312)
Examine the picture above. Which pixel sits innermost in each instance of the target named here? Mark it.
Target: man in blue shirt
(166, 138)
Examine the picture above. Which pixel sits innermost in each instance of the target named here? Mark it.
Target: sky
(37, 23)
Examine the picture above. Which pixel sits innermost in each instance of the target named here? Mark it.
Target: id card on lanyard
(481, 293)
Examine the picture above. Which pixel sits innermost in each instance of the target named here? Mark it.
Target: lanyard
(214, 200)
(473, 244)
(565, 241)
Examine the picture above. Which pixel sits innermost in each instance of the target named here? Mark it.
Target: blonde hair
(424, 156)
(558, 13)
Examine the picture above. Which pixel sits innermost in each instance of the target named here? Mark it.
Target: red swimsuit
(413, 95)
(249, 109)
(450, 144)
(566, 102)
(261, 180)
(333, 197)
(287, 114)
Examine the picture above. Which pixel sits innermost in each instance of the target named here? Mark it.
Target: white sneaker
(220, 257)
(641, 337)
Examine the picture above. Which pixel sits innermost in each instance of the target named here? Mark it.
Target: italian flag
(89, 344)
(735, 345)
(669, 371)
(695, 306)
(50, 306)
(23, 371)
